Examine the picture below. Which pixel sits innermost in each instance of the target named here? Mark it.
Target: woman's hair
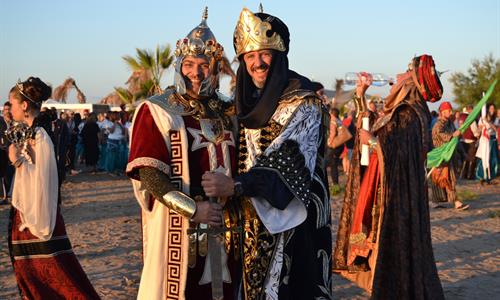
(33, 91)
(491, 115)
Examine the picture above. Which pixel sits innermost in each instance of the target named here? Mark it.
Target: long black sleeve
(266, 184)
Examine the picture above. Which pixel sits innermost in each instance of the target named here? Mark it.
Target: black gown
(91, 143)
(401, 263)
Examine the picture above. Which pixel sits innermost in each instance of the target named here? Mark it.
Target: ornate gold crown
(250, 34)
(200, 41)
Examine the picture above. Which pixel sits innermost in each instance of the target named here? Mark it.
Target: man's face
(195, 70)
(399, 78)
(372, 107)
(258, 64)
(6, 113)
(321, 92)
(322, 95)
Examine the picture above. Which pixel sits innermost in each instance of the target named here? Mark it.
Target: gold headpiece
(20, 88)
(250, 34)
(200, 41)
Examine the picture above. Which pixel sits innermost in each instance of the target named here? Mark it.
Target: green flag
(445, 152)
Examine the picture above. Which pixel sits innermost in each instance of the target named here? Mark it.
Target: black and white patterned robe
(286, 218)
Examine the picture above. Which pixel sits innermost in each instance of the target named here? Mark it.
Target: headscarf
(422, 77)
(444, 106)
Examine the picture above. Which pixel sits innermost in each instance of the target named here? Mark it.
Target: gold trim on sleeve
(181, 203)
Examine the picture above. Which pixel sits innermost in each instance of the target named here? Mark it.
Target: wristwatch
(238, 189)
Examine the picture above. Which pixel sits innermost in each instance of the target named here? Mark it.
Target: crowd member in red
(444, 177)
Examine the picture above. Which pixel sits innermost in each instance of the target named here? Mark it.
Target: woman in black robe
(384, 237)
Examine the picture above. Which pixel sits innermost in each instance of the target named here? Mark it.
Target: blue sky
(54, 39)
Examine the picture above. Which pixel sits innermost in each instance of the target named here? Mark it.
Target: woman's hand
(14, 153)
(364, 136)
(363, 83)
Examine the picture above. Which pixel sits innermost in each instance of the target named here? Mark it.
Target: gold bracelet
(181, 203)
(373, 142)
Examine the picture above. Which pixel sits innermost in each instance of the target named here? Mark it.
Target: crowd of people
(92, 142)
(234, 194)
(476, 157)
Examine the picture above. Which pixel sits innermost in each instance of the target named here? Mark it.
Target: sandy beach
(102, 220)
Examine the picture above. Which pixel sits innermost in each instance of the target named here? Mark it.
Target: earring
(26, 115)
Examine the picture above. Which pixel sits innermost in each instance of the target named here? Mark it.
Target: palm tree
(148, 68)
(125, 95)
(61, 92)
(226, 69)
(79, 94)
(112, 99)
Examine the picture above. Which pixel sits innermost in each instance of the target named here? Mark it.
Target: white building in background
(80, 107)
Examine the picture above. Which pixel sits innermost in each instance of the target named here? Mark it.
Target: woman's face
(491, 110)
(18, 108)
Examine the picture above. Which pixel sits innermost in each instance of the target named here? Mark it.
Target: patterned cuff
(289, 163)
(146, 162)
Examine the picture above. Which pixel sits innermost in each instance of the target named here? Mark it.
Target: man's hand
(363, 83)
(457, 133)
(208, 213)
(217, 184)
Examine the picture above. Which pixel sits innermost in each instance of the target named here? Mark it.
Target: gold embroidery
(258, 248)
(243, 151)
(269, 134)
(192, 250)
(357, 238)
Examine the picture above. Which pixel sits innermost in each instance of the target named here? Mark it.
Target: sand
(103, 224)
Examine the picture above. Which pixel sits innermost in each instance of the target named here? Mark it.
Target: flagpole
(429, 174)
